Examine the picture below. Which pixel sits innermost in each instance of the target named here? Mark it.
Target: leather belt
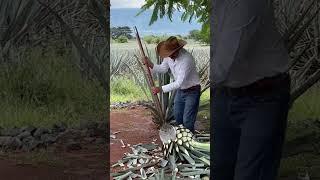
(192, 88)
(259, 87)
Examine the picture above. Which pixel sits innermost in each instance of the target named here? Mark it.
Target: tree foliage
(194, 10)
(116, 32)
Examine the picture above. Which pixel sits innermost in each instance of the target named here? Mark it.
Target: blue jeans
(248, 133)
(186, 105)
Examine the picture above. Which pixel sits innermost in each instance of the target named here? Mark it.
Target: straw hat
(169, 46)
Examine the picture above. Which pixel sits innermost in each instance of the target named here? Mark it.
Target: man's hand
(147, 61)
(156, 90)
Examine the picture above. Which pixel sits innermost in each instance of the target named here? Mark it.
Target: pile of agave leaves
(184, 156)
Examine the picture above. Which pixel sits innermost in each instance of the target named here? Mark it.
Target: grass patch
(41, 91)
(124, 89)
(307, 106)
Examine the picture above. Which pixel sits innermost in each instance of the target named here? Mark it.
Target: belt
(261, 86)
(192, 88)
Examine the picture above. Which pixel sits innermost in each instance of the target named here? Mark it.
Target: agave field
(125, 67)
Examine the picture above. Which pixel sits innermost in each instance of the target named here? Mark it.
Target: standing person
(187, 81)
(250, 91)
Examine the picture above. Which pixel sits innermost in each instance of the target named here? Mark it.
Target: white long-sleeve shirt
(183, 69)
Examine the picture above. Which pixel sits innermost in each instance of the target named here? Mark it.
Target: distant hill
(127, 17)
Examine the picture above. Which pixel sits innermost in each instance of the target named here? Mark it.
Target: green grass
(41, 91)
(124, 90)
(307, 105)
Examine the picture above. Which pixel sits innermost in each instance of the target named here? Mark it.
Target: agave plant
(298, 21)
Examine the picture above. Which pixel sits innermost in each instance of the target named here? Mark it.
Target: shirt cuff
(155, 68)
(166, 88)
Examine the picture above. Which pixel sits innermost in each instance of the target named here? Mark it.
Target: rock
(59, 127)
(73, 146)
(27, 139)
(30, 129)
(9, 142)
(23, 135)
(16, 143)
(69, 134)
(10, 132)
(40, 131)
(30, 144)
(5, 140)
(48, 138)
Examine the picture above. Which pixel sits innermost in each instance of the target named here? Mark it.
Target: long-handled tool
(167, 132)
(150, 79)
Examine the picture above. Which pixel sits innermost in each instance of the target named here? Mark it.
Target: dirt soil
(78, 165)
(134, 126)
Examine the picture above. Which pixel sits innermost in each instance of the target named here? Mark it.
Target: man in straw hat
(187, 81)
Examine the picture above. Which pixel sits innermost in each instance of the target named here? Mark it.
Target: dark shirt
(246, 45)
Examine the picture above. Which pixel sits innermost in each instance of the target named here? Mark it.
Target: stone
(9, 142)
(59, 127)
(5, 140)
(23, 135)
(10, 132)
(31, 144)
(30, 129)
(40, 131)
(48, 138)
(16, 143)
(27, 139)
(69, 134)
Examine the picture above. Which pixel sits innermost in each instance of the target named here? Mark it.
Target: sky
(127, 3)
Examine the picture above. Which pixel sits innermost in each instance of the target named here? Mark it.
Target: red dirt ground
(134, 126)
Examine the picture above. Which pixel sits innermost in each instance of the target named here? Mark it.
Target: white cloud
(126, 3)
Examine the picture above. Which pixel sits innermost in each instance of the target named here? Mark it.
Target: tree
(116, 32)
(198, 10)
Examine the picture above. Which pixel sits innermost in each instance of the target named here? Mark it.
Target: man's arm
(235, 34)
(184, 69)
(161, 68)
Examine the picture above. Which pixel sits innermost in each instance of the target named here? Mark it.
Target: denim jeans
(186, 105)
(248, 134)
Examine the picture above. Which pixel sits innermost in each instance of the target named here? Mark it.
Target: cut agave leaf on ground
(112, 136)
(172, 161)
(206, 161)
(184, 150)
(189, 165)
(149, 147)
(163, 162)
(143, 174)
(194, 173)
(189, 159)
(124, 176)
